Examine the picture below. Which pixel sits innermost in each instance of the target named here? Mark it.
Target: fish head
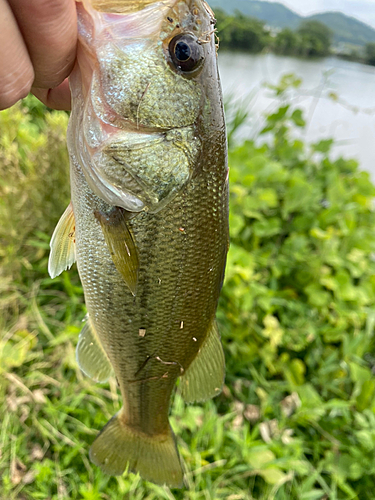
(146, 93)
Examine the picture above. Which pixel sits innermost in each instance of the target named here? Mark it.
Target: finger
(16, 71)
(57, 98)
(49, 28)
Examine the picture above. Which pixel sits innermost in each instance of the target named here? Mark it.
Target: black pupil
(185, 52)
(182, 51)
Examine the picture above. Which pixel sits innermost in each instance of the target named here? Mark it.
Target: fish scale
(151, 252)
(163, 251)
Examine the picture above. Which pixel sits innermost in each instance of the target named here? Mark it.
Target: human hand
(37, 50)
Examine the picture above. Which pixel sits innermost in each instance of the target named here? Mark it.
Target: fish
(148, 219)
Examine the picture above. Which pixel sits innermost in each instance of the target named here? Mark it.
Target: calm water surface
(351, 121)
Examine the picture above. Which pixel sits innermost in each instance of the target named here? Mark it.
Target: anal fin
(63, 254)
(204, 378)
(91, 357)
(121, 244)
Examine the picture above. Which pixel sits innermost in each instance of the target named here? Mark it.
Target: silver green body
(145, 137)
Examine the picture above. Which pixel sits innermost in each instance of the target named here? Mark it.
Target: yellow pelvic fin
(63, 251)
(204, 378)
(90, 354)
(155, 457)
(121, 244)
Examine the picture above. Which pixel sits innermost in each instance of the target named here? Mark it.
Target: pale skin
(38, 40)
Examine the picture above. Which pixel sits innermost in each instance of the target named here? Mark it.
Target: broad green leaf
(313, 495)
(272, 475)
(365, 398)
(259, 458)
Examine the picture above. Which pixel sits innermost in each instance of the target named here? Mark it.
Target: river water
(350, 119)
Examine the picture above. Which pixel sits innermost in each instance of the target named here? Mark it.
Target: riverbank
(337, 97)
(311, 39)
(295, 419)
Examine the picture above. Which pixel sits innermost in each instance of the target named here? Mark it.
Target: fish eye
(186, 52)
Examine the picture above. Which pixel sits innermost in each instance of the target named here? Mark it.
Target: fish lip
(131, 5)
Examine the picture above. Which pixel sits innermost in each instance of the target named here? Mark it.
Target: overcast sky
(364, 10)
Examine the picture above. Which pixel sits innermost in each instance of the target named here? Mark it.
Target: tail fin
(155, 457)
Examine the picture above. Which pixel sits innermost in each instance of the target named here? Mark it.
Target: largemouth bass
(148, 220)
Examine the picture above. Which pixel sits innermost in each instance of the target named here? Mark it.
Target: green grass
(296, 419)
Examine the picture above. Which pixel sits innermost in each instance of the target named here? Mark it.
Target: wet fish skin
(150, 140)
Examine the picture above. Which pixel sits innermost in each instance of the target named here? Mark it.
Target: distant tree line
(365, 55)
(239, 32)
(311, 39)
(370, 54)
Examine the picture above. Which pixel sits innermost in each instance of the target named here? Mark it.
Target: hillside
(275, 14)
(346, 29)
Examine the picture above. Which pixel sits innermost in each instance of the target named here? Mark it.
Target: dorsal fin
(121, 244)
(204, 378)
(63, 253)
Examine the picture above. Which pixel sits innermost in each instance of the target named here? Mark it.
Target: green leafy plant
(298, 304)
(296, 419)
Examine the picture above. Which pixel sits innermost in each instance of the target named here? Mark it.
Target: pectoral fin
(204, 378)
(63, 253)
(121, 244)
(91, 356)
